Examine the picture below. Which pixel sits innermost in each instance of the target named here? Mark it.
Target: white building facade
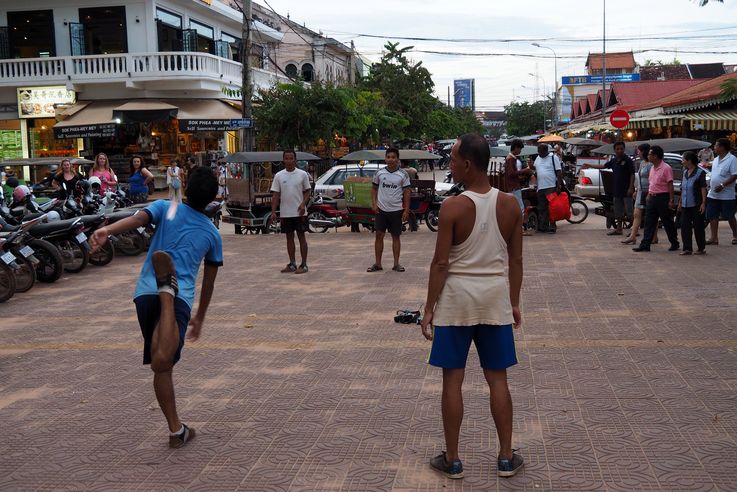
(158, 78)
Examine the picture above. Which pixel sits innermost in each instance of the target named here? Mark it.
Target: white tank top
(476, 290)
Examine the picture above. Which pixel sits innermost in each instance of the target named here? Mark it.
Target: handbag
(176, 183)
(559, 207)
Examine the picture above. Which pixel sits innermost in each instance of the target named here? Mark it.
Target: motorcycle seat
(41, 230)
(92, 220)
(120, 215)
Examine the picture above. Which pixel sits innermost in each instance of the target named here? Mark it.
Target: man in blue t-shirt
(166, 286)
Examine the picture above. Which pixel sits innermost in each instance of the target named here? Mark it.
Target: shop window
(308, 72)
(105, 30)
(291, 70)
(205, 37)
(4, 43)
(170, 38)
(169, 30)
(258, 54)
(31, 34)
(233, 47)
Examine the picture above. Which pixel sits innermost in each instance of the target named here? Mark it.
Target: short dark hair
(724, 143)
(202, 188)
(517, 143)
(644, 148)
(618, 143)
(289, 151)
(475, 148)
(658, 151)
(691, 157)
(392, 150)
(130, 162)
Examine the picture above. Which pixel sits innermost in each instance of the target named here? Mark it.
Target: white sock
(167, 290)
(177, 432)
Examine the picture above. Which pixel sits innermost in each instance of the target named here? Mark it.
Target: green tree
(446, 122)
(407, 87)
(524, 118)
(729, 90)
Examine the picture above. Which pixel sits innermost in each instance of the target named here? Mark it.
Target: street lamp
(555, 57)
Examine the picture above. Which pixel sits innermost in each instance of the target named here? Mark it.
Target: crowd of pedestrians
(647, 195)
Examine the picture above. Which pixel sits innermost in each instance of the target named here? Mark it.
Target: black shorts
(391, 221)
(148, 308)
(293, 224)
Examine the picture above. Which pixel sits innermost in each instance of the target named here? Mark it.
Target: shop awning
(655, 121)
(95, 119)
(203, 115)
(713, 120)
(145, 111)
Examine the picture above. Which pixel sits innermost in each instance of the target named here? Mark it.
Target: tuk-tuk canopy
(380, 155)
(275, 156)
(583, 141)
(503, 151)
(45, 161)
(668, 145)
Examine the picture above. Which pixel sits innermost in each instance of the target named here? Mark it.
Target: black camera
(407, 317)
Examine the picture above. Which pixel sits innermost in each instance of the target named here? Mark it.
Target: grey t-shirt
(391, 186)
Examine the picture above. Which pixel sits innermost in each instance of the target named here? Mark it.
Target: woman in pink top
(659, 202)
(102, 170)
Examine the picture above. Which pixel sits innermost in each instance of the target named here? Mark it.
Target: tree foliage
(406, 86)
(394, 102)
(728, 90)
(524, 118)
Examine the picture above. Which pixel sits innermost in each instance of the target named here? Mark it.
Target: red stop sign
(619, 118)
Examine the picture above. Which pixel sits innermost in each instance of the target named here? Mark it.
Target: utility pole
(246, 91)
(603, 69)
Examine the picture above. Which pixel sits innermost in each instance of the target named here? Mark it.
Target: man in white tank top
(471, 299)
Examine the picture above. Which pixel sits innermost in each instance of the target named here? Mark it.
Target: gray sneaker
(509, 468)
(452, 470)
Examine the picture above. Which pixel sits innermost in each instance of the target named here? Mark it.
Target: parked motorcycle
(323, 214)
(70, 240)
(8, 266)
(17, 242)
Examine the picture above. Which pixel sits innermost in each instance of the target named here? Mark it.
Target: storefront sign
(190, 126)
(106, 130)
(598, 79)
(38, 102)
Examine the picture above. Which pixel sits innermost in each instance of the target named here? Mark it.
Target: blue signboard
(598, 79)
(464, 93)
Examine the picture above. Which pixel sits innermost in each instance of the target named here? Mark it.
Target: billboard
(598, 79)
(39, 102)
(464, 93)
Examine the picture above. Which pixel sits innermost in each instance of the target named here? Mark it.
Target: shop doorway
(31, 34)
(104, 30)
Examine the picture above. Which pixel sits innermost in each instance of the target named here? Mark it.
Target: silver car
(330, 184)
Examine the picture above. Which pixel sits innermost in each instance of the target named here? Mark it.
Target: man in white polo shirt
(720, 202)
(390, 202)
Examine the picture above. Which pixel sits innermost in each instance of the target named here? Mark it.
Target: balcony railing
(111, 68)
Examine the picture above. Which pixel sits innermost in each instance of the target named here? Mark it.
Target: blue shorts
(720, 209)
(495, 345)
(148, 309)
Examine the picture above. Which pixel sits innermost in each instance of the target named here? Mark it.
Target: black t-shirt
(70, 184)
(622, 170)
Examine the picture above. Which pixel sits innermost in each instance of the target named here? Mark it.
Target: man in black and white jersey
(390, 203)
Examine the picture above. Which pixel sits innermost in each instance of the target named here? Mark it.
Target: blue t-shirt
(137, 183)
(188, 238)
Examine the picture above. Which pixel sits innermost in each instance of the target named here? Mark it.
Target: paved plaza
(627, 377)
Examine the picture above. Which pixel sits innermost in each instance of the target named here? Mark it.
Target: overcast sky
(501, 78)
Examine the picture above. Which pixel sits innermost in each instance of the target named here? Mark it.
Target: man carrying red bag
(549, 181)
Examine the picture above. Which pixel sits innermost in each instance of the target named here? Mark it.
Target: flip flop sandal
(374, 268)
(712, 243)
(398, 268)
(290, 268)
(166, 274)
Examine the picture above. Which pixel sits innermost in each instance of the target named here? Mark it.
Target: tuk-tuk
(248, 188)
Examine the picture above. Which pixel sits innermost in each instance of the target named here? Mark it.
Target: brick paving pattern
(627, 377)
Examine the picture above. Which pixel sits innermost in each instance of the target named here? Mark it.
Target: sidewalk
(627, 377)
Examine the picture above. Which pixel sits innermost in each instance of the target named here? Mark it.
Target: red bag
(558, 207)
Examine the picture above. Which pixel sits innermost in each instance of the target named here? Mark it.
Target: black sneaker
(182, 438)
(451, 470)
(509, 468)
